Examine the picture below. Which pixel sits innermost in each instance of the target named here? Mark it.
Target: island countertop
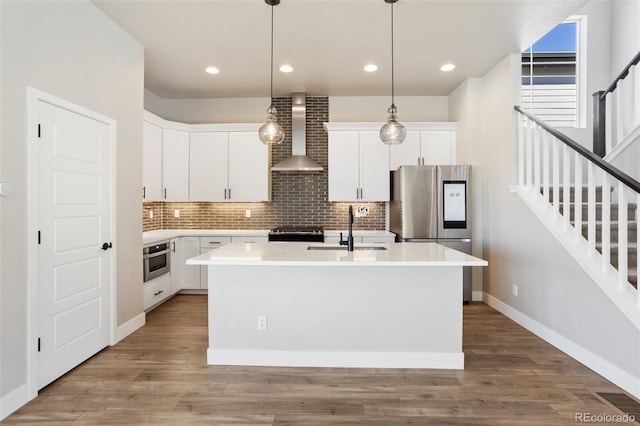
(296, 253)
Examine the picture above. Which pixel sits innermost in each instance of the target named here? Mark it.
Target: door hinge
(38, 237)
(38, 344)
(38, 130)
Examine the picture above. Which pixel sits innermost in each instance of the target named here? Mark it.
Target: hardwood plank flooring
(158, 376)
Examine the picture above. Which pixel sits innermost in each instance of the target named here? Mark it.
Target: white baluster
(637, 241)
(529, 156)
(591, 209)
(537, 140)
(566, 185)
(636, 91)
(521, 124)
(577, 205)
(606, 222)
(556, 176)
(545, 166)
(607, 122)
(623, 275)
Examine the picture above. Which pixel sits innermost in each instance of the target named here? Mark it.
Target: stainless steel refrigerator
(432, 204)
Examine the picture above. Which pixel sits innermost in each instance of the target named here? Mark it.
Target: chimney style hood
(298, 162)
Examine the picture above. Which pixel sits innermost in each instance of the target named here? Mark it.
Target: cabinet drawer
(256, 239)
(382, 239)
(156, 290)
(210, 243)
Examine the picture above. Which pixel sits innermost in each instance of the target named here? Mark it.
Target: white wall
(73, 51)
(374, 108)
(553, 291)
(463, 107)
(598, 59)
(625, 34)
(253, 110)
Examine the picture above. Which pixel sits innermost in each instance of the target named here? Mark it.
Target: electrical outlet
(362, 211)
(247, 213)
(150, 214)
(176, 213)
(514, 290)
(262, 322)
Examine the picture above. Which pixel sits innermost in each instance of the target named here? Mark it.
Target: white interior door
(74, 218)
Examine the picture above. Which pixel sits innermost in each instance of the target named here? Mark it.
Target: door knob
(107, 246)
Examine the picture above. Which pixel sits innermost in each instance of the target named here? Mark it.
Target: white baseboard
(13, 400)
(454, 360)
(596, 363)
(129, 327)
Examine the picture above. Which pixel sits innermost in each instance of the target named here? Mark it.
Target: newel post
(599, 126)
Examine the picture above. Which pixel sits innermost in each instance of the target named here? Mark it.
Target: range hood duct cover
(298, 162)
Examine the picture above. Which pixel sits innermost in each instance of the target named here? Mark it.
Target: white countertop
(295, 254)
(151, 237)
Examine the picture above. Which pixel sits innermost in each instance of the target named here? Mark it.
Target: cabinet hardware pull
(173, 243)
(229, 193)
(214, 242)
(144, 192)
(165, 193)
(158, 292)
(225, 193)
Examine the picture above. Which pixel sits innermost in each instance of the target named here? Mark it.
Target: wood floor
(158, 375)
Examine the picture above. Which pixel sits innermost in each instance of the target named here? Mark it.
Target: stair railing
(550, 164)
(607, 131)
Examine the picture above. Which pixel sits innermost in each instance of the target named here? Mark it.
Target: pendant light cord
(392, 79)
(271, 98)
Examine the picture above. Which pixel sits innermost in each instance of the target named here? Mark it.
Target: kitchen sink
(333, 247)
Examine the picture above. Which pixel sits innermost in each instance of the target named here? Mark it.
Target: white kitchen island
(397, 307)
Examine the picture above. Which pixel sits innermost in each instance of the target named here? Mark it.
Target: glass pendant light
(271, 132)
(393, 132)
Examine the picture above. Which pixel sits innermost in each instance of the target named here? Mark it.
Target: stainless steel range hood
(298, 162)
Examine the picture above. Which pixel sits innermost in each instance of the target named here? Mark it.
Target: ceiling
(328, 42)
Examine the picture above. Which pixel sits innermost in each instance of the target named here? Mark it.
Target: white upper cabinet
(203, 162)
(208, 177)
(426, 143)
(175, 165)
(358, 166)
(228, 165)
(248, 167)
(151, 162)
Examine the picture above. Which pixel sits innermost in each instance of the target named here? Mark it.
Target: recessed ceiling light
(447, 67)
(212, 70)
(371, 67)
(286, 68)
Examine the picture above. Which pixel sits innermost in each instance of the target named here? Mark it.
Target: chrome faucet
(349, 241)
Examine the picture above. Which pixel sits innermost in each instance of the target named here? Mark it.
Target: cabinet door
(438, 147)
(183, 275)
(248, 167)
(208, 158)
(151, 162)
(344, 172)
(407, 153)
(208, 244)
(374, 167)
(175, 165)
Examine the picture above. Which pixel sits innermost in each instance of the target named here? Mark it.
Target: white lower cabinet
(184, 276)
(156, 290)
(208, 244)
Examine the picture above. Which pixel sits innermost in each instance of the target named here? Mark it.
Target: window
(553, 75)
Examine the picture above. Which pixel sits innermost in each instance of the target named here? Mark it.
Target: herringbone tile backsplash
(296, 198)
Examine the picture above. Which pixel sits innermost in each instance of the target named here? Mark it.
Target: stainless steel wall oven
(156, 260)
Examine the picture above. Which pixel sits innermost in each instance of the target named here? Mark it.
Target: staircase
(632, 227)
(597, 227)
